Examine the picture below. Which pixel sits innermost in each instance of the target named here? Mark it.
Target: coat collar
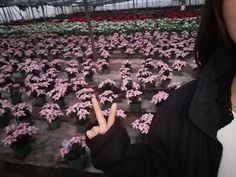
(210, 107)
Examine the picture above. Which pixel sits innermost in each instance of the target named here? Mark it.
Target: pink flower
(51, 112)
(119, 113)
(143, 124)
(13, 132)
(107, 97)
(159, 97)
(133, 96)
(21, 109)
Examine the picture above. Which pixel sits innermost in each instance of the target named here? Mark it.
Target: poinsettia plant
(73, 149)
(59, 90)
(107, 84)
(22, 111)
(178, 65)
(129, 84)
(78, 84)
(143, 124)
(17, 136)
(149, 82)
(107, 97)
(133, 96)
(5, 109)
(102, 65)
(85, 94)
(51, 112)
(174, 85)
(120, 114)
(80, 111)
(159, 98)
(125, 72)
(127, 64)
(143, 73)
(148, 63)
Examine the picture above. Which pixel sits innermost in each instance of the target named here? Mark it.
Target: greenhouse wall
(15, 13)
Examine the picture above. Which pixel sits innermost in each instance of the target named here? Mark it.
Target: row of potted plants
(106, 27)
(158, 45)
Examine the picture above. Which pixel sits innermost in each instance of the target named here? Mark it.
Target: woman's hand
(104, 125)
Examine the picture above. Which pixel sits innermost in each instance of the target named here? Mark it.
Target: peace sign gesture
(104, 125)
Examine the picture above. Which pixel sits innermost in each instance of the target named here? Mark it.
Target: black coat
(182, 138)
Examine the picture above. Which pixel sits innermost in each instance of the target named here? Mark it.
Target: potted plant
(178, 66)
(85, 94)
(103, 66)
(73, 152)
(16, 92)
(38, 91)
(127, 64)
(107, 84)
(57, 64)
(58, 93)
(148, 63)
(129, 84)
(134, 99)
(22, 112)
(159, 98)
(143, 73)
(149, 84)
(125, 72)
(80, 111)
(105, 54)
(78, 84)
(52, 113)
(130, 52)
(5, 108)
(88, 72)
(71, 72)
(120, 114)
(107, 98)
(166, 76)
(45, 65)
(19, 138)
(143, 125)
(173, 86)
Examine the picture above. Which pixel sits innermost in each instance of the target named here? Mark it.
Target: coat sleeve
(115, 155)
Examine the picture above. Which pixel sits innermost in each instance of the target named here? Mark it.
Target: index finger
(101, 120)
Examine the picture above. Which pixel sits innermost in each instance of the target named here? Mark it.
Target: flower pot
(71, 75)
(88, 78)
(4, 121)
(78, 164)
(16, 99)
(148, 94)
(135, 107)
(61, 102)
(25, 119)
(22, 152)
(54, 124)
(165, 83)
(40, 101)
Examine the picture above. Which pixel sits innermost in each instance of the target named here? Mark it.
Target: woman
(192, 134)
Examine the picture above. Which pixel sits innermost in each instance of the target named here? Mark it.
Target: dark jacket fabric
(182, 138)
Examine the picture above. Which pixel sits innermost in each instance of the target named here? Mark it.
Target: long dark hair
(212, 33)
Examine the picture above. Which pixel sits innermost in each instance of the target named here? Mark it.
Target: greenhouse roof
(26, 3)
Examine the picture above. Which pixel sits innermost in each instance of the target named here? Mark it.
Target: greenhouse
(111, 88)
